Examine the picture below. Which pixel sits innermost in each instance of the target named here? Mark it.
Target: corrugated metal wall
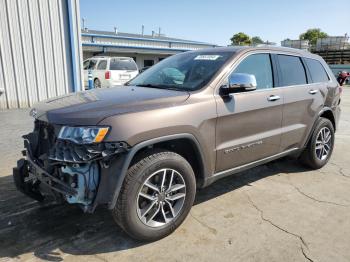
(35, 50)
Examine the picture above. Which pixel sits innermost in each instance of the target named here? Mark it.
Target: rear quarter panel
(333, 98)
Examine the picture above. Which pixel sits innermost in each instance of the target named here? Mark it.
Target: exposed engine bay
(84, 178)
(61, 169)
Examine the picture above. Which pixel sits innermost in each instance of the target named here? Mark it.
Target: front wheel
(320, 147)
(157, 195)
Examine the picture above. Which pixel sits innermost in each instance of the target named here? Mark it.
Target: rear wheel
(320, 147)
(97, 83)
(157, 195)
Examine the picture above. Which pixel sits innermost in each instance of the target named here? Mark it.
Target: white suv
(109, 71)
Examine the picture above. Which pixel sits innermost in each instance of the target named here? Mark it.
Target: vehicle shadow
(54, 230)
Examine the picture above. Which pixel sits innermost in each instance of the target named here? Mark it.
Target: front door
(249, 123)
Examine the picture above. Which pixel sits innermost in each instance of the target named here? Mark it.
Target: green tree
(312, 35)
(256, 40)
(241, 39)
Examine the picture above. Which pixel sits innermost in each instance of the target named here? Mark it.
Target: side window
(102, 65)
(258, 65)
(92, 64)
(86, 64)
(148, 62)
(292, 70)
(317, 71)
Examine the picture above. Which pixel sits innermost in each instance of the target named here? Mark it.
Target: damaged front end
(64, 169)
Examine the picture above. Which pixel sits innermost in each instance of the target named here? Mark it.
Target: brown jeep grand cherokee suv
(193, 118)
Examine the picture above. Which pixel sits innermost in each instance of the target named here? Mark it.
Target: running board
(238, 169)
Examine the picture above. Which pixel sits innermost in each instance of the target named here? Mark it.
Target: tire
(97, 83)
(316, 158)
(130, 210)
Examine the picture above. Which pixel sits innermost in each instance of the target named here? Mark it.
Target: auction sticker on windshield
(207, 57)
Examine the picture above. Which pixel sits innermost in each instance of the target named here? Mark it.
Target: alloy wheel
(323, 143)
(161, 197)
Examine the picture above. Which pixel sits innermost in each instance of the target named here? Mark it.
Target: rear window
(292, 70)
(317, 71)
(122, 64)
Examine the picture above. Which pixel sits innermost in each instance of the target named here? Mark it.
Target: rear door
(249, 123)
(303, 99)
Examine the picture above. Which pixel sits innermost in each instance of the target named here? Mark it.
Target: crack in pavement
(304, 254)
(303, 242)
(311, 197)
(273, 224)
(211, 229)
(315, 199)
(340, 169)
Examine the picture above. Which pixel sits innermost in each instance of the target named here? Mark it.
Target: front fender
(136, 148)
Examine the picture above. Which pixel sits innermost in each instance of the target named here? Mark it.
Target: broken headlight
(83, 135)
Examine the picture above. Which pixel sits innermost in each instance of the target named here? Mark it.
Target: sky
(216, 21)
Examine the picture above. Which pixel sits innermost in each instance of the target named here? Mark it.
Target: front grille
(66, 151)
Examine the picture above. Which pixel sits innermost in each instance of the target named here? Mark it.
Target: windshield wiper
(150, 85)
(168, 87)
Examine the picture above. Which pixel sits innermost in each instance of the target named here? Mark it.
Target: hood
(90, 107)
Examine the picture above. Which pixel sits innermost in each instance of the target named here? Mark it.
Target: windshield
(186, 71)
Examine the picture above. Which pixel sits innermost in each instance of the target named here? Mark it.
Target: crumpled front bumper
(45, 175)
(34, 181)
(20, 174)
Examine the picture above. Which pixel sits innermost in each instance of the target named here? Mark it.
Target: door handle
(313, 91)
(273, 98)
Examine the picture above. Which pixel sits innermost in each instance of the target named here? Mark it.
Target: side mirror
(238, 82)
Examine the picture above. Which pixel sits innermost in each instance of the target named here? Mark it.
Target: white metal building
(40, 50)
(145, 49)
(299, 44)
(333, 43)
